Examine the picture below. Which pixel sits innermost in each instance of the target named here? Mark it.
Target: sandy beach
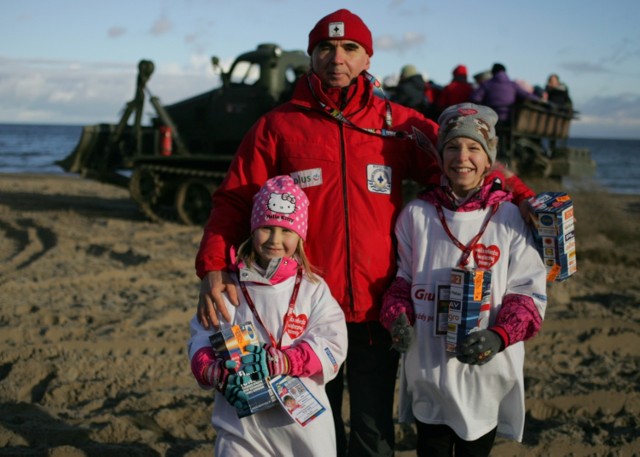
(95, 303)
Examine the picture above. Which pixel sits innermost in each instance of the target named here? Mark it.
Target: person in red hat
(350, 150)
(457, 91)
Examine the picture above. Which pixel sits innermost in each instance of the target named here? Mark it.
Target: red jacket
(453, 93)
(353, 180)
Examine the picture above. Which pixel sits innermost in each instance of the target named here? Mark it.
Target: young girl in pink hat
(301, 328)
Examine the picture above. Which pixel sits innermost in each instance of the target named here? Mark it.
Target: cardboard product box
(469, 304)
(555, 234)
(230, 344)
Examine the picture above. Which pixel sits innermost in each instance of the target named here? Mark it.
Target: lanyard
(340, 117)
(287, 316)
(466, 250)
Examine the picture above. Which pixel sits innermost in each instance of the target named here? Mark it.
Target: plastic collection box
(230, 344)
(469, 304)
(555, 234)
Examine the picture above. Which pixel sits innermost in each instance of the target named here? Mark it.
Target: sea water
(26, 148)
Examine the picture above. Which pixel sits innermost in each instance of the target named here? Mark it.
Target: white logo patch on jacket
(379, 179)
(307, 178)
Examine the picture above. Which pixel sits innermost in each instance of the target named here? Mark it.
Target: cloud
(116, 31)
(407, 41)
(615, 116)
(618, 107)
(584, 67)
(161, 26)
(66, 92)
(623, 51)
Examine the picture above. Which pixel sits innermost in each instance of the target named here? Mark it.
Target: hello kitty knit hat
(281, 202)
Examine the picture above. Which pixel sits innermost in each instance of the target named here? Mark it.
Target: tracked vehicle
(172, 166)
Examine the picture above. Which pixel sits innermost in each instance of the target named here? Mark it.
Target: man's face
(338, 62)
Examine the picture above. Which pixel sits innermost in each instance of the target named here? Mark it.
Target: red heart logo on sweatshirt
(486, 256)
(296, 324)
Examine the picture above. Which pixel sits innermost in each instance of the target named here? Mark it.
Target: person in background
(500, 93)
(457, 91)
(432, 92)
(350, 151)
(525, 85)
(461, 400)
(481, 77)
(301, 325)
(557, 92)
(410, 90)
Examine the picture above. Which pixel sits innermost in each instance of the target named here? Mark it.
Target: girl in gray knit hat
(467, 144)
(463, 388)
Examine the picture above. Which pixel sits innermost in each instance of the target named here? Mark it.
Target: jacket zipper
(346, 218)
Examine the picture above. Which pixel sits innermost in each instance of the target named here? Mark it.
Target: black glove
(479, 347)
(401, 333)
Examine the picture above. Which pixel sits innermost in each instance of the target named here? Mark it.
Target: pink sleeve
(200, 362)
(517, 320)
(396, 300)
(304, 362)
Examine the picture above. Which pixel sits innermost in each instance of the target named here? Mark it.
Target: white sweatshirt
(435, 387)
(273, 432)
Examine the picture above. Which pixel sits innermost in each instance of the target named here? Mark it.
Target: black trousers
(370, 369)
(442, 441)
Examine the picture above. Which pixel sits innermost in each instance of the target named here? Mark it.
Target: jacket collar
(278, 270)
(490, 193)
(309, 91)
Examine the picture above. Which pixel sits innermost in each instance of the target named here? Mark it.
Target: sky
(75, 61)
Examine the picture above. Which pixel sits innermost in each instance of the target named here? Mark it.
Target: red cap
(341, 25)
(460, 70)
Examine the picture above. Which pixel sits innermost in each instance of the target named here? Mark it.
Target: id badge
(296, 400)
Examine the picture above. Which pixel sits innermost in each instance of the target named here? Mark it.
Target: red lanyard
(287, 316)
(337, 114)
(466, 250)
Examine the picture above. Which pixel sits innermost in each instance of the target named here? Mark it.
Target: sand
(95, 302)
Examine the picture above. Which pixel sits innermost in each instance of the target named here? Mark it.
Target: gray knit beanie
(470, 121)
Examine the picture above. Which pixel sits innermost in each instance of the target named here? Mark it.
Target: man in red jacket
(349, 150)
(457, 91)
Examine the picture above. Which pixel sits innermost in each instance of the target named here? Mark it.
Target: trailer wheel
(193, 201)
(531, 160)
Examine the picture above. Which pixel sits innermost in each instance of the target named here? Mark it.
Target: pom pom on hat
(281, 203)
(472, 121)
(341, 25)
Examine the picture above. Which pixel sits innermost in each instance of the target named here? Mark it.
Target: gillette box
(469, 304)
(230, 344)
(555, 234)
